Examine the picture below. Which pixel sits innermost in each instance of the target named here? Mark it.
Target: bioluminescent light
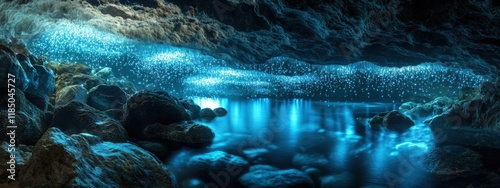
(187, 72)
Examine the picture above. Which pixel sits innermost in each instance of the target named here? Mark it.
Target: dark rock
(218, 161)
(10, 68)
(46, 81)
(40, 101)
(28, 119)
(193, 108)
(116, 114)
(316, 160)
(269, 177)
(76, 117)
(207, 113)
(71, 93)
(185, 133)
(73, 68)
(392, 121)
(22, 154)
(158, 149)
(104, 73)
(104, 97)
(83, 160)
(30, 71)
(236, 143)
(146, 3)
(220, 111)
(147, 107)
(450, 162)
(87, 81)
(125, 85)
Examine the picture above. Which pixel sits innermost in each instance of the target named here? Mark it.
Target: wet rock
(125, 85)
(185, 133)
(253, 154)
(76, 117)
(46, 81)
(104, 97)
(116, 114)
(207, 113)
(148, 107)
(10, 68)
(83, 160)
(66, 67)
(193, 108)
(41, 101)
(269, 177)
(338, 180)
(407, 106)
(450, 162)
(104, 73)
(28, 119)
(218, 161)
(158, 149)
(392, 121)
(22, 153)
(87, 81)
(146, 3)
(30, 71)
(71, 93)
(316, 160)
(236, 143)
(435, 107)
(220, 111)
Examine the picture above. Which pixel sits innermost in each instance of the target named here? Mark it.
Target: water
(355, 154)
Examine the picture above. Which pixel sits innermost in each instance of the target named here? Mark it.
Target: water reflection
(336, 130)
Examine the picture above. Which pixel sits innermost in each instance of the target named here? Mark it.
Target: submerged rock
(185, 133)
(392, 121)
(218, 161)
(76, 117)
(194, 109)
(220, 111)
(316, 160)
(71, 93)
(267, 177)
(148, 107)
(83, 160)
(207, 113)
(22, 153)
(105, 97)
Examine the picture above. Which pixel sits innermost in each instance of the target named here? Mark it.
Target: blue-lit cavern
(250, 93)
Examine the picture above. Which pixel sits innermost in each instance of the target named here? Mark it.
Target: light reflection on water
(350, 146)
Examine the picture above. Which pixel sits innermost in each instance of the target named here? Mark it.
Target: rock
(450, 162)
(76, 117)
(316, 160)
(339, 180)
(30, 71)
(10, 68)
(407, 106)
(255, 153)
(41, 101)
(158, 149)
(392, 121)
(83, 160)
(185, 133)
(104, 73)
(220, 111)
(193, 108)
(71, 93)
(276, 178)
(125, 85)
(73, 68)
(435, 107)
(218, 161)
(236, 143)
(46, 81)
(116, 114)
(87, 81)
(28, 119)
(207, 113)
(22, 153)
(105, 97)
(146, 3)
(116, 11)
(147, 107)
(263, 168)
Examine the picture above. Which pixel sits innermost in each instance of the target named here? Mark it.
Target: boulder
(104, 73)
(116, 11)
(71, 93)
(435, 107)
(76, 117)
(30, 71)
(392, 121)
(194, 109)
(46, 81)
(87, 81)
(105, 97)
(83, 160)
(207, 113)
(184, 133)
(10, 68)
(220, 111)
(148, 107)
(126, 86)
(158, 149)
(271, 177)
(28, 119)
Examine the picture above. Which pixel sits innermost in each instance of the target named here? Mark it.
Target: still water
(356, 156)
